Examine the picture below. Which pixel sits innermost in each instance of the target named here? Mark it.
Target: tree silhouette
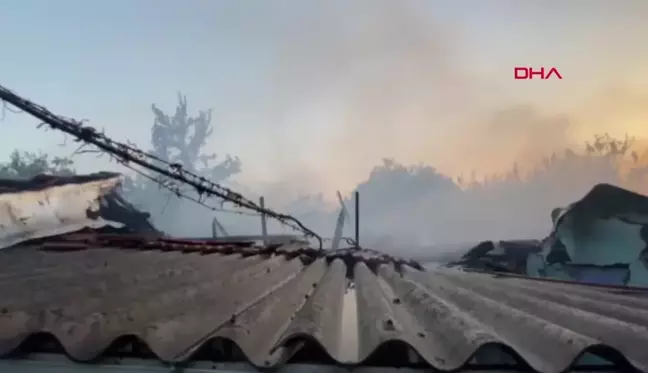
(26, 165)
(180, 139)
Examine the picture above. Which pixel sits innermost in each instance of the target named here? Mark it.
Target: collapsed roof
(601, 238)
(604, 203)
(52, 205)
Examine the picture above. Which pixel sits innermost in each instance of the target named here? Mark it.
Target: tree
(392, 181)
(26, 165)
(180, 139)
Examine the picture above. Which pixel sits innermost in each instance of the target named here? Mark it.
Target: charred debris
(600, 239)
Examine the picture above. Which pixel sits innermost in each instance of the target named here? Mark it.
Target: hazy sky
(314, 95)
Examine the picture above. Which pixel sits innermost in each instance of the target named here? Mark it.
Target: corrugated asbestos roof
(51, 205)
(285, 304)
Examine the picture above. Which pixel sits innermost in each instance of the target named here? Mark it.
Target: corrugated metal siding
(275, 306)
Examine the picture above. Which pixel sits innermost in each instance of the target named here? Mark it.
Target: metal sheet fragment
(53, 210)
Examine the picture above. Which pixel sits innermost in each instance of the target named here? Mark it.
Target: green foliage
(25, 165)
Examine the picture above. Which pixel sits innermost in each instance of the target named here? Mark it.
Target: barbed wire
(348, 240)
(164, 185)
(127, 154)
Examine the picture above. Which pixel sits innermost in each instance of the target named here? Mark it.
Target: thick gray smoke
(361, 81)
(347, 84)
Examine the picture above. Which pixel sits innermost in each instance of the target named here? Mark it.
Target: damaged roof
(606, 201)
(625, 210)
(579, 224)
(498, 256)
(50, 205)
(179, 300)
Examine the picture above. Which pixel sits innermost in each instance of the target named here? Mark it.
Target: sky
(312, 95)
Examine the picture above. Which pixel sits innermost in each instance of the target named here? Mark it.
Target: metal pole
(357, 218)
(339, 226)
(264, 227)
(214, 228)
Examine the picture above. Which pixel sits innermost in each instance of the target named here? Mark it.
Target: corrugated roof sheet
(604, 201)
(291, 304)
(51, 205)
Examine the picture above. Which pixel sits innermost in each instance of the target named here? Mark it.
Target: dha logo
(528, 73)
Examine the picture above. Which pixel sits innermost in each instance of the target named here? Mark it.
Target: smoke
(322, 92)
(362, 81)
(352, 83)
(338, 86)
